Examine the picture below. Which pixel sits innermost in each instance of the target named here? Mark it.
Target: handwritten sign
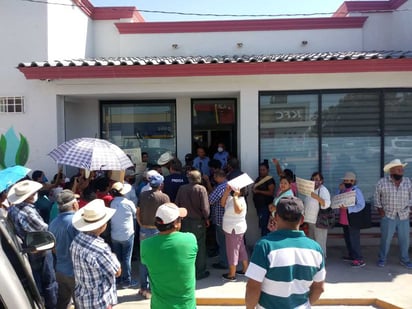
(305, 187)
(240, 181)
(346, 199)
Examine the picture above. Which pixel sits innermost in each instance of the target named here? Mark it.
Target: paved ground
(391, 284)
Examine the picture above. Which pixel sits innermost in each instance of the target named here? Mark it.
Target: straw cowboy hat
(92, 216)
(393, 163)
(165, 158)
(122, 188)
(23, 190)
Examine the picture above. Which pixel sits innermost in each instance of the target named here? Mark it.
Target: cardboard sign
(240, 181)
(346, 199)
(305, 187)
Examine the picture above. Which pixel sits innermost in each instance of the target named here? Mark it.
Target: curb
(321, 302)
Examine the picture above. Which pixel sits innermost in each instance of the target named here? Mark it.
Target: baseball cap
(349, 176)
(169, 212)
(156, 180)
(290, 208)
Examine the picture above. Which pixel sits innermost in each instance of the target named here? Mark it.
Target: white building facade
(330, 94)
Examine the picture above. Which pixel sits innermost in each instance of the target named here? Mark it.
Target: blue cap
(156, 180)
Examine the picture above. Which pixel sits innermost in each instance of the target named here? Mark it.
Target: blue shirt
(26, 219)
(122, 222)
(95, 267)
(286, 262)
(216, 210)
(202, 165)
(223, 157)
(64, 232)
(359, 203)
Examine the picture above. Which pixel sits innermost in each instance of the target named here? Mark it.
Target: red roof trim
(185, 70)
(109, 13)
(365, 6)
(85, 6)
(241, 25)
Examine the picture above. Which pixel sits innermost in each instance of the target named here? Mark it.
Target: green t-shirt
(170, 260)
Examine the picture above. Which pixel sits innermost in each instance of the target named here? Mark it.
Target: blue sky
(224, 7)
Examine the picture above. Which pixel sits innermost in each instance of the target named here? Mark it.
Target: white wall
(69, 32)
(254, 42)
(106, 39)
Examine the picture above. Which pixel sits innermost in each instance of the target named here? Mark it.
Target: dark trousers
(45, 277)
(352, 240)
(263, 216)
(66, 290)
(198, 228)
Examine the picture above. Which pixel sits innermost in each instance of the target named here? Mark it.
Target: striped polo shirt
(286, 262)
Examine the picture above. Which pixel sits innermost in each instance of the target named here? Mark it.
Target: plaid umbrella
(92, 154)
(9, 176)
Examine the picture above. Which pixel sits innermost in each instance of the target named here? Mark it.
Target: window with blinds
(351, 139)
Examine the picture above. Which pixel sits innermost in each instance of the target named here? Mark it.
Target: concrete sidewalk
(344, 284)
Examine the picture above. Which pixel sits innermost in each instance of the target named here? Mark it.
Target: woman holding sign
(318, 199)
(351, 222)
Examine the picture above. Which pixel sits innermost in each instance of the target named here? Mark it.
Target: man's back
(149, 201)
(170, 260)
(172, 183)
(195, 199)
(287, 263)
(64, 232)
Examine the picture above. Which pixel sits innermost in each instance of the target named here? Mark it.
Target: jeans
(221, 241)
(143, 272)
(123, 251)
(352, 239)
(198, 228)
(45, 277)
(388, 228)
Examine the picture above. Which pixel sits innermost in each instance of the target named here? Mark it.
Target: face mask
(220, 149)
(348, 185)
(35, 198)
(397, 177)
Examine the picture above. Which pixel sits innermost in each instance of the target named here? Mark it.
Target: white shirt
(232, 220)
(312, 205)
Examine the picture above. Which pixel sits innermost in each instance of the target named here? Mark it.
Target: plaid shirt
(395, 201)
(216, 210)
(26, 219)
(94, 267)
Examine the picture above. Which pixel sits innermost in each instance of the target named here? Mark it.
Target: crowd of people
(101, 223)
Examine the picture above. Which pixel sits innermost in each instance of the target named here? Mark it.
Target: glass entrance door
(214, 122)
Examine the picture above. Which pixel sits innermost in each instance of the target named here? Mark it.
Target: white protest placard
(346, 199)
(240, 181)
(305, 187)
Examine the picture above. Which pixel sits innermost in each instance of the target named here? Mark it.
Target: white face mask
(220, 149)
(35, 198)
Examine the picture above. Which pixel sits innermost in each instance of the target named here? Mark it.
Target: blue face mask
(44, 179)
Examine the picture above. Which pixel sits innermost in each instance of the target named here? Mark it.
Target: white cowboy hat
(122, 188)
(393, 163)
(92, 216)
(165, 158)
(23, 190)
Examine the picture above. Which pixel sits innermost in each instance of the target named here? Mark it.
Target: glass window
(351, 139)
(398, 127)
(289, 132)
(140, 126)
